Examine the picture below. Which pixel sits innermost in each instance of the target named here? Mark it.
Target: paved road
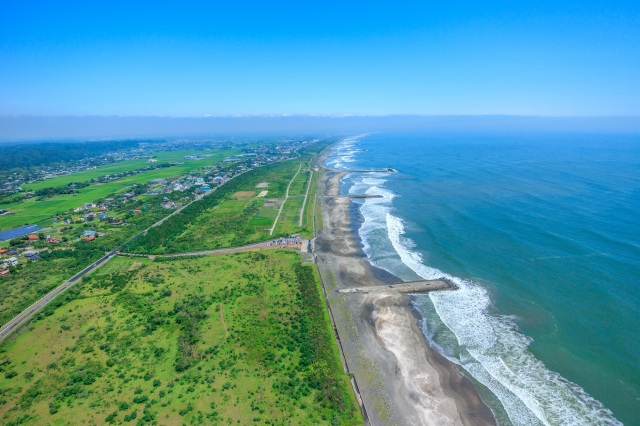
(248, 247)
(23, 317)
(26, 315)
(15, 323)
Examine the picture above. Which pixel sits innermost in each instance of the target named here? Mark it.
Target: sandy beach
(401, 379)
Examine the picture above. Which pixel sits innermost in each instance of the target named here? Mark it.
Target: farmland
(32, 280)
(212, 157)
(233, 339)
(230, 223)
(34, 210)
(225, 220)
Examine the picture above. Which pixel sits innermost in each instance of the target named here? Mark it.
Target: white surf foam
(344, 151)
(497, 354)
(492, 349)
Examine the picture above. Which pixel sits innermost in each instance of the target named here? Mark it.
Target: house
(12, 261)
(33, 256)
(89, 233)
(33, 237)
(52, 240)
(3, 251)
(91, 238)
(4, 272)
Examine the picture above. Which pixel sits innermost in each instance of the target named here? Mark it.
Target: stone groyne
(423, 286)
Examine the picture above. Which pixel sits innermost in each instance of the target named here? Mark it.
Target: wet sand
(401, 379)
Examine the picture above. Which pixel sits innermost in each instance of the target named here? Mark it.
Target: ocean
(541, 233)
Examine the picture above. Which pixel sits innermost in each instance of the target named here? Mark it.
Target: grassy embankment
(31, 211)
(233, 339)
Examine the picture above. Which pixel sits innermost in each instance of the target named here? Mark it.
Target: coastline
(402, 380)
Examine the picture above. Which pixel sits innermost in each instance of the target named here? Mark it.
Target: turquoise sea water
(541, 233)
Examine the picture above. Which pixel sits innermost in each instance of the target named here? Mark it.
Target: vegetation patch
(236, 339)
(243, 194)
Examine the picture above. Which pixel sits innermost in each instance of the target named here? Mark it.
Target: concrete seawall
(424, 286)
(357, 196)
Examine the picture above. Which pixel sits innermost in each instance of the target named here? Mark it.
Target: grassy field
(289, 219)
(222, 220)
(32, 280)
(213, 157)
(236, 339)
(239, 217)
(307, 221)
(31, 211)
(238, 221)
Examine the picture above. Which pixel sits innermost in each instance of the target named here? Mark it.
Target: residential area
(102, 222)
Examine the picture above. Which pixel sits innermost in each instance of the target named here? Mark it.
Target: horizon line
(309, 115)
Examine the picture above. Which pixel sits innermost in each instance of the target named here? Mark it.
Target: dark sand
(401, 379)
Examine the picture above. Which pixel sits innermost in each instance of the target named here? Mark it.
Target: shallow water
(541, 234)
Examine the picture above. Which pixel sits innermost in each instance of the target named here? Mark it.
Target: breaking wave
(490, 347)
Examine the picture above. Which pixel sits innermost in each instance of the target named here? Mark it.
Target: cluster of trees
(317, 357)
(9, 198)
(43, 154)
(159, 236)
(35, 279)
(188, 314)
(178, 223)
(61, 190)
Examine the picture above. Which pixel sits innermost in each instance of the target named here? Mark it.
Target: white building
(12, 261)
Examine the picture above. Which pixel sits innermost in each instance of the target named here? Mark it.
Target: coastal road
(336, 334)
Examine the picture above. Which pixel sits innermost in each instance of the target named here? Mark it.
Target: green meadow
(289, 219)
(33, 210)
(213, 157)
(234, 215)
(235, 339)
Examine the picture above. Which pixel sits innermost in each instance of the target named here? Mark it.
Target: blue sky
(193, 58)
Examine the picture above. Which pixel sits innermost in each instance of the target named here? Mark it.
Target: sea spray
(490, 347)
(496, 353)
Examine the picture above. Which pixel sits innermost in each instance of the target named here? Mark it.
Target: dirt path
(224, 324)
(304, 203)
(275, 222)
